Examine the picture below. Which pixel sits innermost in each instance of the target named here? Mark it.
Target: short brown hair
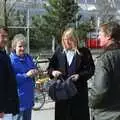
(111, 29)
(3, 28)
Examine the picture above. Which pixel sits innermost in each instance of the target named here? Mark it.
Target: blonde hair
(71, 32)
(17, 38)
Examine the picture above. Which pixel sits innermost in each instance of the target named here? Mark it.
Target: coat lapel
(62, 62)
(78, 61)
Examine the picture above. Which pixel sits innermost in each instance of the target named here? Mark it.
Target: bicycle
(39, 98)
(40, 93)
(41, 89)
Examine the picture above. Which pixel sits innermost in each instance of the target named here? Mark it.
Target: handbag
(61, 89)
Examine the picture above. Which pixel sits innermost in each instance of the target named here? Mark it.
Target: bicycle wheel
(39, 99)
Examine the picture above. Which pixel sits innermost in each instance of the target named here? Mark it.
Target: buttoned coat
(76, 107)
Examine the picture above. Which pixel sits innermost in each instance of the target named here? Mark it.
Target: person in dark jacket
(25, 71)
(70, 60)
(104, 98)
(9, 104)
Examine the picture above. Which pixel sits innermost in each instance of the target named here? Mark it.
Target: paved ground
(47, 113)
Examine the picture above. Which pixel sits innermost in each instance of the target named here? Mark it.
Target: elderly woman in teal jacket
(25, 71)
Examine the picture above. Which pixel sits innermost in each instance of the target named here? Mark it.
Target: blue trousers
(23, 115)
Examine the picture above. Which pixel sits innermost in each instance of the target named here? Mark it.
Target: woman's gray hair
(17, 38)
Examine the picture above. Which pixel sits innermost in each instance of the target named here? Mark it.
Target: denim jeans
(23, 115)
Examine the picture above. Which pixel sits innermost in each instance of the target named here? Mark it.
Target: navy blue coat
(8, 87)
(76, 107)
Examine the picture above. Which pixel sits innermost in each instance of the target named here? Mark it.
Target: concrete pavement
(46, 113)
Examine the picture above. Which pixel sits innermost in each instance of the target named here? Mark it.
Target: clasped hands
(32, 73)
(57, 73)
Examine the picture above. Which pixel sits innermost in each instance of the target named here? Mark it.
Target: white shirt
(69, 55)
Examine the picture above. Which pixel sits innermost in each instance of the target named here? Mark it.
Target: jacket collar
(113, 46)
(15, 56)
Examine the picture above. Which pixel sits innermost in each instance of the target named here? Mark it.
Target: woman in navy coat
(72, 60)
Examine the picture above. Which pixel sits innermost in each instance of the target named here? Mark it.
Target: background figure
(72, 60)
(9, 105)
(104, 90)
(25, 71)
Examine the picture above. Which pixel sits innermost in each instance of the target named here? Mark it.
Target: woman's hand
(32, 73)
(56, 73)
(74, 77)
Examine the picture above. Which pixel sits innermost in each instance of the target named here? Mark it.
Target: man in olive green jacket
(104, 92)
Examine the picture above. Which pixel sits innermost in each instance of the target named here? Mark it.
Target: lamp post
(76, 16)
(28, 30)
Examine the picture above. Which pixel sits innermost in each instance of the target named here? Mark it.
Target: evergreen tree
(59, 15)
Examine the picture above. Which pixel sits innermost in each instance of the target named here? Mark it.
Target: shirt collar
(72, 50)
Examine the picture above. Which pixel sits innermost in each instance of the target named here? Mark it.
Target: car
(92, 40)
(92, 43)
